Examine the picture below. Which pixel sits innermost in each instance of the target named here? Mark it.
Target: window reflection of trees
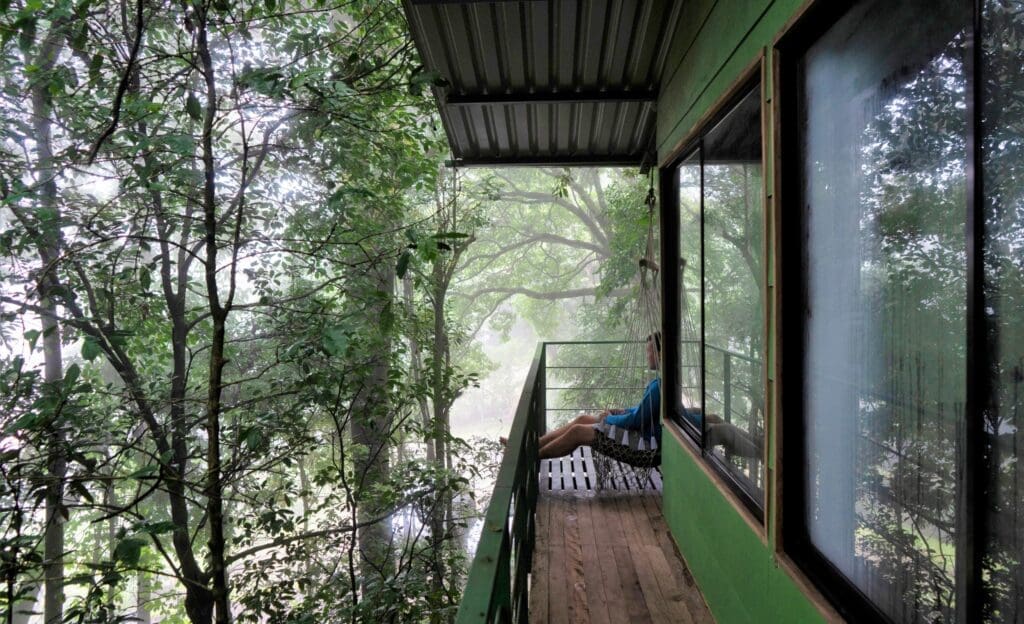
(913, 281)
(721, 242)
(734, 310)
(1002, 136)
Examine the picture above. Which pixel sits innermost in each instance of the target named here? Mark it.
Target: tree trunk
(219, 314)
(142, 597)
(439, 430)
(53, 370)
(416, 363)
(371, 427)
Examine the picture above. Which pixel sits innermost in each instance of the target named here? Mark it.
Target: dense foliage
(207, 413)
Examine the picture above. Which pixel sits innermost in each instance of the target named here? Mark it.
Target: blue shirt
(644, 416)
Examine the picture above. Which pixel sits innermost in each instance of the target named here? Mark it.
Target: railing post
(542, 392)
(727, 385)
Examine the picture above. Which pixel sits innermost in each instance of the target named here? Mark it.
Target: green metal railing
(497, 588)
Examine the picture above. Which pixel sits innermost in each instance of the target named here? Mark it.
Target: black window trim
(813, 22)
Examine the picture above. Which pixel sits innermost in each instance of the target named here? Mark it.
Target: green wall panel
(735, 570)
(705, 60)
(715, 42)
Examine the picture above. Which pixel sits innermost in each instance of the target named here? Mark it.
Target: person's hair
(656, 337)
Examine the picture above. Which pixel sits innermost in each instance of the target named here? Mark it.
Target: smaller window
(721, 285)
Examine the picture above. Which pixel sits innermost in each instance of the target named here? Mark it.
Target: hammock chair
(621, 453)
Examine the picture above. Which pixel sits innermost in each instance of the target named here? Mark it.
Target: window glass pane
(1002, 109)
(733, 292)
(883, 139)
(688, 178)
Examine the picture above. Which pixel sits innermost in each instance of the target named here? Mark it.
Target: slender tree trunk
(219, 314)
(439, 430)
(416, 363)
(371, 427)
(142, 597)
(53, 368)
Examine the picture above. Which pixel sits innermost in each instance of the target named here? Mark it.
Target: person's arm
(649, 409)
(644, 413)
(624, 418)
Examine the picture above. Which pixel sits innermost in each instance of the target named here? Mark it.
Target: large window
(721, 312)
(903, 307)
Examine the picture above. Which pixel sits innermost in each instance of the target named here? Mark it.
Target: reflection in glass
(883, 138)
(688, 179)
(733, 292)
(1002, 137)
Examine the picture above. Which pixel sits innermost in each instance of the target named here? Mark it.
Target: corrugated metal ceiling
(546, 81)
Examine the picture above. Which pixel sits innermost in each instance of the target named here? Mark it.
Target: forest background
(246, 309)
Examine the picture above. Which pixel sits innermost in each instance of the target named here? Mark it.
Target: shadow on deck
(606, 555)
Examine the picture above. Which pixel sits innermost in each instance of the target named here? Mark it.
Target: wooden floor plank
(632, 594)
(556, 520)
(557, 578)
(692, 597)
(607, 557)
(576, 585)
(539, 580)
(648, 582)
(597, 604)
(642, 519)
(671, 587)
(610, 581)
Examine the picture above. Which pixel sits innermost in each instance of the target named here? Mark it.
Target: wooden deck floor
(606, 556)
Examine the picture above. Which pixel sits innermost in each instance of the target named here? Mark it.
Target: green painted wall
(734, 568)
(737, 572)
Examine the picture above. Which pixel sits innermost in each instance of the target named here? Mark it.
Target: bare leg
(582, 419)
(575, 436)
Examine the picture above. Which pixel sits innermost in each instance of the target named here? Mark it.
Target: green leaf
(81, 38)
(193, 107)
(145, 279)
(91, 349)
(95, 65)
(335, 341)
(71, 376)
(79, 488)
(26, 32)
(129, 551)
(181, 144)
(271, 5)
(26, 421)
(157, 528)
(252, 438)
(145, 471)
(32, 336)
(403, 264)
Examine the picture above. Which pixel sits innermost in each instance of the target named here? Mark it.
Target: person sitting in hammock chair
(624, 434)
(642, 421)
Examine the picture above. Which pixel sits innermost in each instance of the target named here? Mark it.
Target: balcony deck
(606, 555)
